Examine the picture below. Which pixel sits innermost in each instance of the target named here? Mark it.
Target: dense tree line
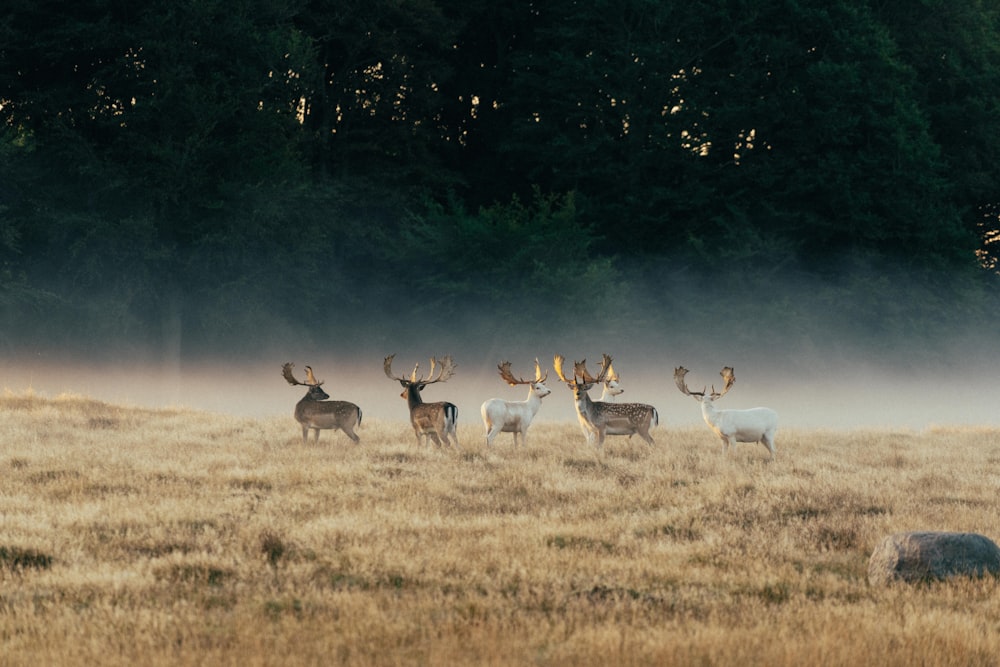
(197, 167)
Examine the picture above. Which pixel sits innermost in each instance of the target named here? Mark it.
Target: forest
(216, 174)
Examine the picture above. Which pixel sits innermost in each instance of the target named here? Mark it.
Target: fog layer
(848, 386)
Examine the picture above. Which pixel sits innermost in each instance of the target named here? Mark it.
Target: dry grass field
(131, 536)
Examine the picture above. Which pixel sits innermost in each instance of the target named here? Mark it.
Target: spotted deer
(315, 412)
(598, 418)
(435, 421)
(612, 389)
(515, 417)
(753, 425)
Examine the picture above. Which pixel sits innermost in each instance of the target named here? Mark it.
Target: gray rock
(926, 556)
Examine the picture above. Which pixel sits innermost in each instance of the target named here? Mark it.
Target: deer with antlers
(612, 386)
(314, 412)
(434, 421)
(612, 389)
(753, 425)
(515, 417)
(598, 418)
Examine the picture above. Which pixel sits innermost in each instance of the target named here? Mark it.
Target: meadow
(177, 537)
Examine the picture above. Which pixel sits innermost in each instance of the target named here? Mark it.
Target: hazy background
(192, 194)
(836, 383)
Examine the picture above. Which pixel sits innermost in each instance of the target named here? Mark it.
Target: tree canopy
(201, 166)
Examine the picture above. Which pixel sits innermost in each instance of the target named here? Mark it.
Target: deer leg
(305, 433)
(768, 441)
(315, 435)
(351, 434)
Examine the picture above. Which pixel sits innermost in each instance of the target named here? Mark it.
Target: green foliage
(515, 260)
(194, 168)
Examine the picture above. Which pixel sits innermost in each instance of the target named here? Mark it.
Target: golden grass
(165, 537)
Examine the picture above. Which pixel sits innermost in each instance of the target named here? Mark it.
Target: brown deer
(434, 421)
(598, 418)
(315, 412)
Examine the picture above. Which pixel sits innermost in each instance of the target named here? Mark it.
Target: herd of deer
(437, 421)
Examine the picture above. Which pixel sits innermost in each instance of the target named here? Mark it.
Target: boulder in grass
(927, 556)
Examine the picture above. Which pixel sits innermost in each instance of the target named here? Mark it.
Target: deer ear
(403, 384)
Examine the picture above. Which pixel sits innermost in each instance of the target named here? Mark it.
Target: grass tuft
(17, 559)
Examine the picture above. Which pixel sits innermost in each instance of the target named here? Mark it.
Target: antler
(447, 366)
(729, 377)
(507, 376)
(538, 372)
(286, 371)
(447, 370)
(679, 374)
(612, 374)
(557, 364)
(387, 367)
(580, 368)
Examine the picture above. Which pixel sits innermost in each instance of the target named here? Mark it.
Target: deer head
(315, 393)
(612, 386)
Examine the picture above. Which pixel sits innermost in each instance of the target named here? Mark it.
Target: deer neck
(533, 402)
(413, 397)
(708, 410)
(584, 406)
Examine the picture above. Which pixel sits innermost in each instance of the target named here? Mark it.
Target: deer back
(633, 415)
(327, 414)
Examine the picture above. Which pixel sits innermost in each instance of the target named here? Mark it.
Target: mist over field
(819, 373)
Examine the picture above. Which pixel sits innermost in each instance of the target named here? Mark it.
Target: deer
(435, 421)
(753, 425)
(598, 418)
(514, 417)
(613, 388)
(315, 412)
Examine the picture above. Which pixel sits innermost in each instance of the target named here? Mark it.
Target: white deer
(753, 425)
(612, 386)
(515, 417)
